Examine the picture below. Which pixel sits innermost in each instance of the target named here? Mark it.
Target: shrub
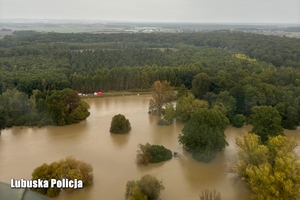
(152, 154)
(159, 153)
(147, 188)
(120, 124)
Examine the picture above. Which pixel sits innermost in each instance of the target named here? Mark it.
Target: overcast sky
(226, 11)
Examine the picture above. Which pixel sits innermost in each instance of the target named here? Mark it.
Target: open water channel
(113, 156)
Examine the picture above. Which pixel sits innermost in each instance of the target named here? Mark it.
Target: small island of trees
(147, 188)
(152, 154)
(68, 168)
(120, 125)
(203, 135)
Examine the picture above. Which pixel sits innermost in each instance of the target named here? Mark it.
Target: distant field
(147, 28)
(293, 34)
(163, 49)
(67, 30)
(60, 29)
(3, 33)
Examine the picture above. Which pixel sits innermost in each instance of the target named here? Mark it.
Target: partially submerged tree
(66, 107)
(2, 118)
(203, 135)
(120, 124)
(147, 188)
(69, 168)
(143, 154)
(168, 116)
(47, 172)
(152, 154)
(77, 169)
(162, 93)
(183, 91)
(186, 105)
(229, 102)
(272, 171)
(266, 121)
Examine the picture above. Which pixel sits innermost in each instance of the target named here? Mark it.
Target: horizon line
(145, 21)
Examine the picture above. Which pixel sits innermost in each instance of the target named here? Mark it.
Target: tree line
(276, 50)
(226, 74)
(55, 107)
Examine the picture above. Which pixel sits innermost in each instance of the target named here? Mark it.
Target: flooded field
(113, 156)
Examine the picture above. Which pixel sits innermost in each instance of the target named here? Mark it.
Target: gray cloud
(236, 11)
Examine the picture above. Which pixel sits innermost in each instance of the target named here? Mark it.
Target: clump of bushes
(152, 154)
(69, 168)
(147, 188)
(120, 125)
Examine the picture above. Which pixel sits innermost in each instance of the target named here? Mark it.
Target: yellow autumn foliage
(272, 171)
(244, 57)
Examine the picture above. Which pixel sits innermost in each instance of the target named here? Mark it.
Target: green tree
(291, 120)
(3, 117)
(66, 107)
(15, 108)
(120, 124)
(47, 172)
(272, 171)
(183, 91)
(201, 84)
(72, 168)
(186, 105)
(169, 114)
(162, 93)
(152, 154)
(288, 114)
(148, 185)
(228, 102)
(237, 120)
(136, 194)
(203, 135)
(266, 122)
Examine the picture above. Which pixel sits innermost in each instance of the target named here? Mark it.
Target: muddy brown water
(113, 156)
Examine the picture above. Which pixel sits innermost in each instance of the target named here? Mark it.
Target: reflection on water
(113, 156)
(120, 140)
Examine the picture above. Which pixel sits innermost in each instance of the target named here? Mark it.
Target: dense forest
(237, 69)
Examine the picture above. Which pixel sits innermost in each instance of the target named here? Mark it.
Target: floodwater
(113, 156)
